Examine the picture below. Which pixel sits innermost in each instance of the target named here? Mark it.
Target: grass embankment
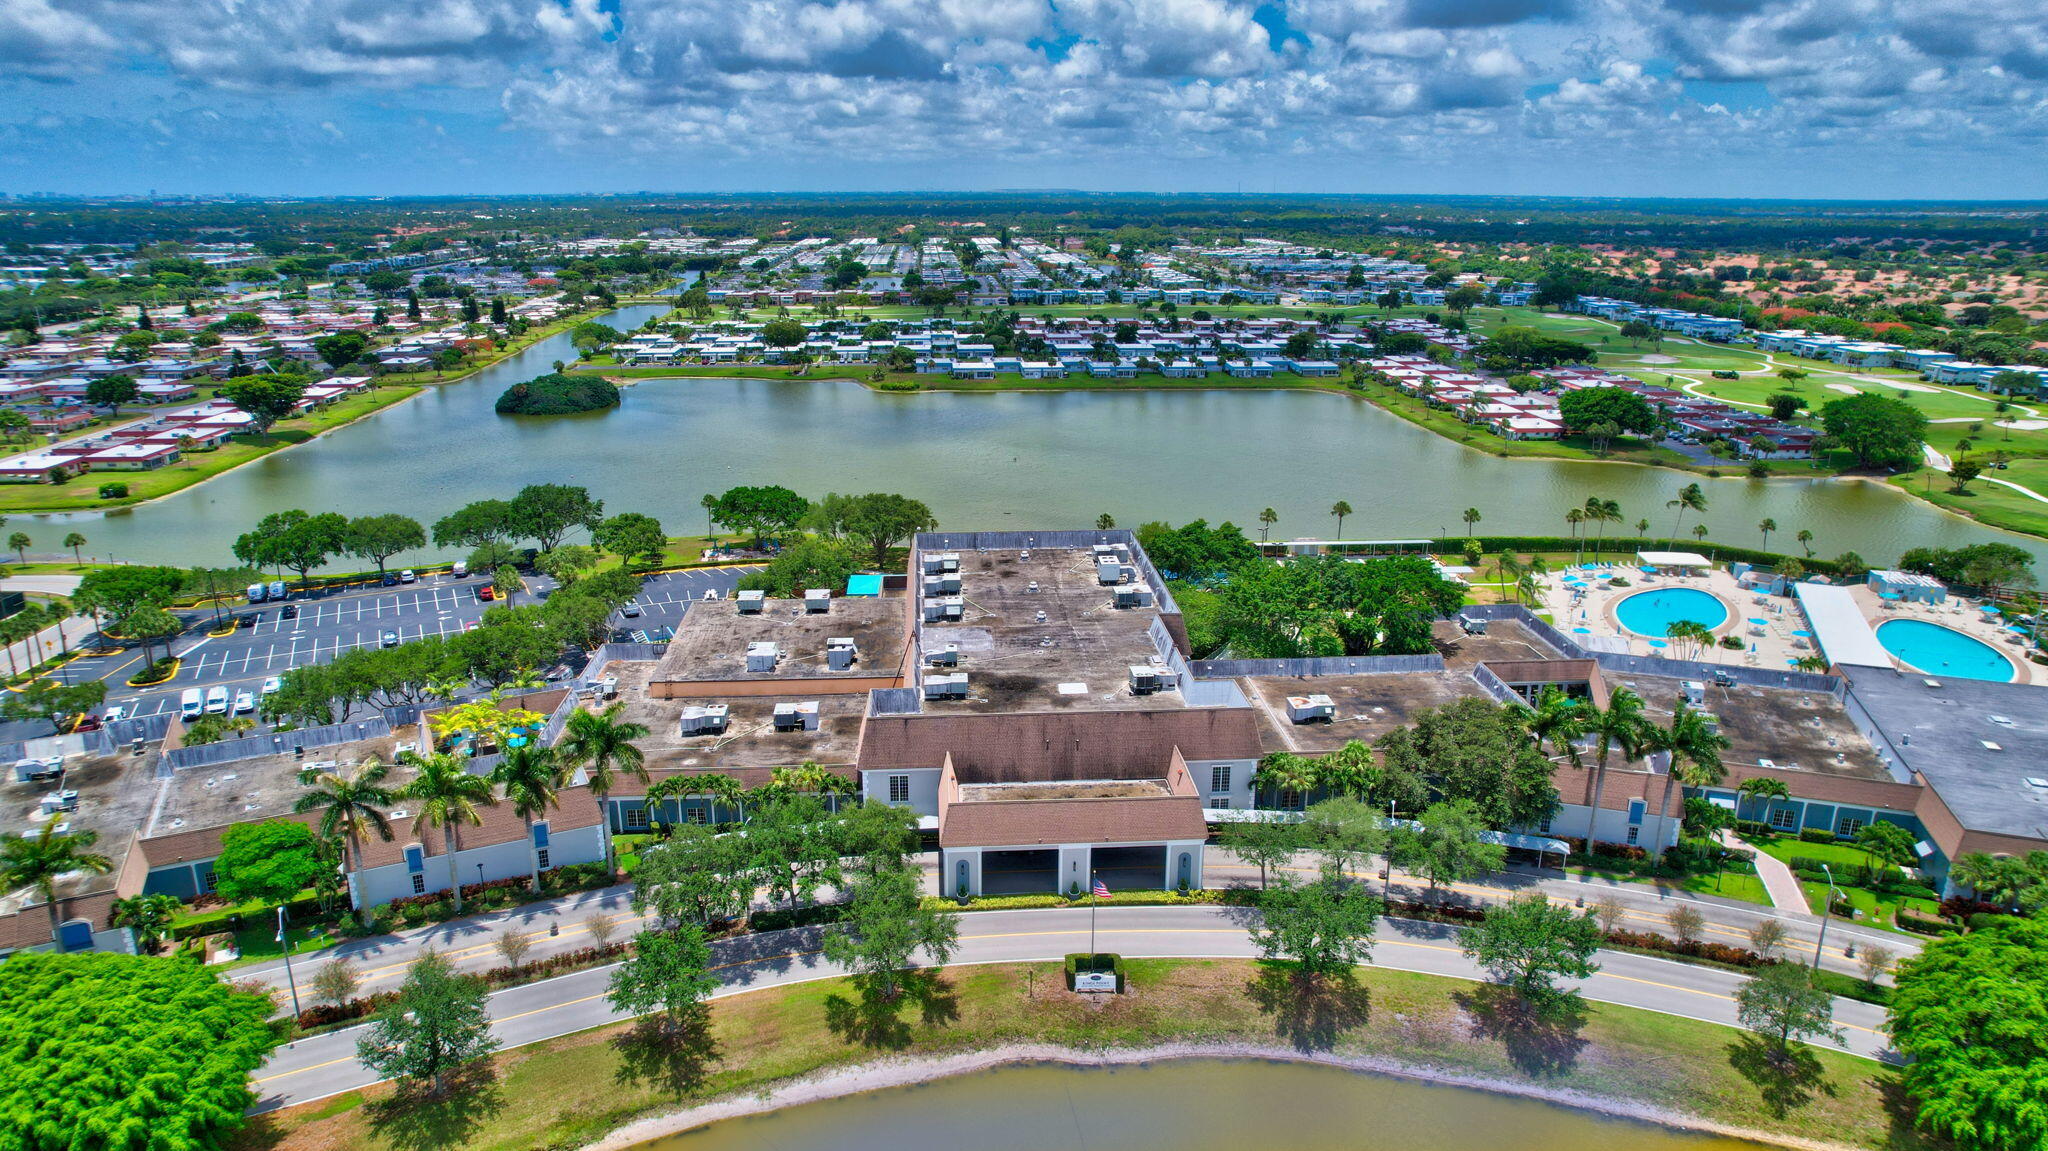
(82, 492)
(568, 1091)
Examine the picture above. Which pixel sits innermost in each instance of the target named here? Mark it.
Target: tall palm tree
(1470, 517)
(602, 745)
(1761, 788)
(1805, 539)
(1285, 771)
(448, 796)
(1619, 724)
(1267, 519)
(40, 860)
(531, 778)
(1340, 509)
(1690, 498)
(1573, 517)
(351, 803)
(1695, 749)
(75, 541)
(1768, 526)
(1558, 720)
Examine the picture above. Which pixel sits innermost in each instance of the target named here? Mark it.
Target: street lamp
(1387, 888)
(1833, 891)
(285, 947)
(479, 878)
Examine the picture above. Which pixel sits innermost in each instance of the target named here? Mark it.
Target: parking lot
(327, 625)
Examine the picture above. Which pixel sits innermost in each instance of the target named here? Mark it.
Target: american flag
(1101, 890)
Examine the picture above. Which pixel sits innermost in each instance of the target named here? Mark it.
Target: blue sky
(1828, 98)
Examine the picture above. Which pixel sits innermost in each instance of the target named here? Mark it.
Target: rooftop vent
(1990, 746)
(944, 583)
(2035, 781)
(937, 562)
(1148, 678)
(943, 608)
(1933, 683)
(1133, 595)
(2000, 720)
(706, 719)
(797, 716)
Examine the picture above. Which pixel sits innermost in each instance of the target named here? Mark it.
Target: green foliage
(668, 972)
(1325, 926)
(695, 876)
(475, 524)
(1263, 843)
(1476, 754)
(341, 349)
(1515, 348)
(293, 539)
(807, 563)
(758, 511)
(1878, 429)
(115, 1051)
(631, 536)
(117, 591)
(1444, 845)
(1970, 1014)
(381, 537)
(886, 925)
(267, 397)
(1584, 407)
(1530, 943)
(545, 513)
(558, 394)
(113, 391)
(266, 862)
(1781, 1003)
(1324, 606)
(782, 333)
(48, 699)
(1196, 552)
(1974, 565)
(436, 1023)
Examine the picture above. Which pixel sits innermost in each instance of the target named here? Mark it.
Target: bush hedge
(1616, 545)
(1817, 835)
(1095, 962)
(1909, 920)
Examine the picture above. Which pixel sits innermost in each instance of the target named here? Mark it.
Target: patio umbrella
(1759, 622)
(1589, 631)
(1987, 609)
(2019, 630)
(1888, 595)
(1658, 643)
(1803, 634)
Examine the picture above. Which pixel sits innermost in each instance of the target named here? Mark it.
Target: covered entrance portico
(1068, 868)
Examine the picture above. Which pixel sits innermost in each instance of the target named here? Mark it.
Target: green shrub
(1816, 835)
(1909, 920)
(1726, 374)
(113, 491)
(1754, 829)
(1079, 962)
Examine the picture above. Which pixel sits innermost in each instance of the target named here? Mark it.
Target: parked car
(390, 580)
(631, 610)
(115, 712)
(217, 701)
(245, 702)
(388, 639)
(248, 619)
(486, 592)
(408, 576)
(271, 685)
(289, 611)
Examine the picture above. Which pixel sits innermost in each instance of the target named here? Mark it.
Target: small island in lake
(557, 394)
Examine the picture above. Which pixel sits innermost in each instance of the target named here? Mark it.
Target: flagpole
(1094, 901)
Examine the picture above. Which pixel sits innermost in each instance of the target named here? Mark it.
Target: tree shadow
(671, 1056)
(1311, 1012)
(1902, 1114)
(876, 1017)
(1787, 1081)
(414, 1118)
(1540, 1035)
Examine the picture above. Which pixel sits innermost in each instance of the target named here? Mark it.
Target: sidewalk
(1778, 880)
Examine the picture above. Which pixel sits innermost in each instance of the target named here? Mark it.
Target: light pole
(286, 947)
(1822, 939)
(1387, 887)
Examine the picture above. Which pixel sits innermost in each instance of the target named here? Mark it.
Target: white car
(114, 713)
(271, 685)
(244, 702)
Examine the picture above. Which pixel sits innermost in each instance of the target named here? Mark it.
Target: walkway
(325, 1065)
(1778, 880)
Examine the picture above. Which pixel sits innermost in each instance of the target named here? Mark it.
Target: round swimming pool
(1939, 650)
(1653, 612)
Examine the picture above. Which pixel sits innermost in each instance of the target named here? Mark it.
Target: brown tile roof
(1013, 823)
(1028, 746)
(199, 843)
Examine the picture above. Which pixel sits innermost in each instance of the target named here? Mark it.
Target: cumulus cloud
(893, 81)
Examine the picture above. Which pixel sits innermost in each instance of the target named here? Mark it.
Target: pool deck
(1770, 643)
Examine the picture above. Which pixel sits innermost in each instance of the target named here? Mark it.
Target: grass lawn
(83, 491)
(1875, 909)
(568, 1091)
(1993, 504)
(1732, 884)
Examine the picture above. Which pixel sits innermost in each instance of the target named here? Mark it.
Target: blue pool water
(1653, 612)
(1940, 650)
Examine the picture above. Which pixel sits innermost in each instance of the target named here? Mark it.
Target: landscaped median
(570, 1090)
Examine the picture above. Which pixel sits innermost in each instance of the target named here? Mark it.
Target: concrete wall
(380, 885)
(1240, 791)
(924, 787)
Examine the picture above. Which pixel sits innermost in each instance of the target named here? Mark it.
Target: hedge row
(1626, 546)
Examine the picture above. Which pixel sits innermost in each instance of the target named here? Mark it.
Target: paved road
(326, 625)
(325, 1064)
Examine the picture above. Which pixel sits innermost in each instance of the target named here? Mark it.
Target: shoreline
(888, 1074)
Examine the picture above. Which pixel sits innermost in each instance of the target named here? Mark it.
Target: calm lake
(1185, 1106)
(1002, 460)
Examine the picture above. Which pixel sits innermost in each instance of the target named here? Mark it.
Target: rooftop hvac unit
(947, 583)
(1133, 595)
(1108, 569)
(762, 655)
(1472, 626)
(1147, 678)
(936, 562)
(817, 600)
(1311, 708)
(943, 608)
(797, 716)
(952, 686)
(1695, 692)
(948, 656)
(839, 653)
(609, 685)
(707, 719)
(751, 602)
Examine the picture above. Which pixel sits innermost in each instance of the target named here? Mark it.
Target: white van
(189, 704)
(217, 701)
(460, 570)
(277, 590)
(258, 593)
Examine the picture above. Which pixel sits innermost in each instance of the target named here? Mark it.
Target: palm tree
(75, 541)
(1602, 512)
(19, 543)
(1619, 724)
(1573, 517)
(1760, 788)
(1340, 509)
(1805, 539)
(351, 804)
(1767, 527)
(447, 796)
(1699, 532)
(40, 860)
(1471, 517)
(1690, 498)
(602, 745)
(531, 778)
(710, 505)
(1284, 771)
(1695, 749)
(1104, 522)
(1643, 528)
(1558, 720)
(1267, 519)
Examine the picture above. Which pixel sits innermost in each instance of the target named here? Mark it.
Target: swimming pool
(1930, 647)
(1653, 612)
